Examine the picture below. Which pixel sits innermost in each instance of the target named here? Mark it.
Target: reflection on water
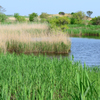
(52, 55)
(85, 50)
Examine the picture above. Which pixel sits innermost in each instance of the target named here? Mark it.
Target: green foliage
(43, 20)
(89, 13)
(63, 20)
(61, 13)
(52, 20)
(16, 15)
(72, 13)
(3, 17)
(21, 18)
(30, 77)
(83, 30)
(44, 15)
(59, 22)
(79, 16)
(95, 21)
(74, 21)
(64, 27)
(32, 16)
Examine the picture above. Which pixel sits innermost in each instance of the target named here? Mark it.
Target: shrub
(61, 13)
(43, 20)
(63, 20)
(32, 16)
(64, 27)
(72, 13)
(21, 18)
(78, 16)
(52, 20)
(44, 15)
(3, 17)
(59, 22)
(16, 15)
(95, 21)
(75, 21)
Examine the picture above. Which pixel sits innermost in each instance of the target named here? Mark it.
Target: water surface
(86, 50)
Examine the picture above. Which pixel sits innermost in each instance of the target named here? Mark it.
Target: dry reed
(20, 33)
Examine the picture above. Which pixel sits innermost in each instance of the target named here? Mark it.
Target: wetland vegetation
(30, 77)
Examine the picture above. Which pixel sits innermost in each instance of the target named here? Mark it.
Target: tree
(44, 15)
(61, 13)
(72, 13)
(2, 9)
(16, 15)
(32, 16)
(95, 21)
(78, 16)
(3, 17)
(89, 13)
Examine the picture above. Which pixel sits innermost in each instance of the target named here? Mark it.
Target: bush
(21, 18)
(44, 15)
(78, 16)
(64, 27)
(95, 21)
(3, 17)
(61, 13)
(59, 22)
(16, 15)
(63, 20)
(32, 16)
(75, 21)
(43, 20)
(72, 13)
(52, 20)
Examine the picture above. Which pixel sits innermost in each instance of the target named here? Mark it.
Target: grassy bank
(83, 30)
(23, 38)
(29, 77)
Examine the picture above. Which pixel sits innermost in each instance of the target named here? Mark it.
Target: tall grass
(32, 37)
(29, 77)
(83, 30)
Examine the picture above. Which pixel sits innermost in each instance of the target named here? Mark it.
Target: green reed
(29, 77)
(83, 30)
(38, 46)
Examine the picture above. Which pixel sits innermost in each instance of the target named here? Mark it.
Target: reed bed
(29, 77)
(83, 30)
(32, 37)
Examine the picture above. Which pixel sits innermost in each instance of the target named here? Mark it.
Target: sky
(26, 7)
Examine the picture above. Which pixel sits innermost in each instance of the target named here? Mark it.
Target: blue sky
(26, 7)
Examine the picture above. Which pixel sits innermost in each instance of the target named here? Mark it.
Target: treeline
(56, 22)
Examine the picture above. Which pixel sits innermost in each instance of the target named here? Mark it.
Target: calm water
(86, 50)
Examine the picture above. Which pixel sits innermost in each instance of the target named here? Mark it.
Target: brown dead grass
(19, 33)
(14, 19)
(68, 15)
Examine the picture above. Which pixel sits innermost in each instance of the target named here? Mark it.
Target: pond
(85, 50)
